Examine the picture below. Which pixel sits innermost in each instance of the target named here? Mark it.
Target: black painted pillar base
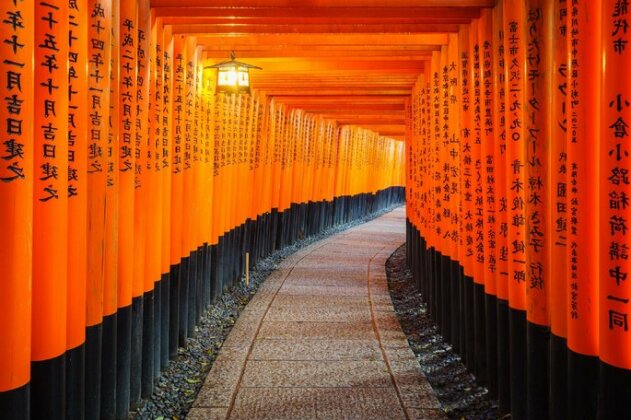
(93, 358)
(146, 384)
(491, 343)
(503, 357)
(75, 383)
(48, 388)
(537, 377)
(136, 352)
(16, 403)
(108, 368)
(558, 377)
(174, 310)
(165, 319)
(517, 333)
(184, 283)
(583, 385)
(123, 361)
(615, 392)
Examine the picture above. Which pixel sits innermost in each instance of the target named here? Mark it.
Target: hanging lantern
(233, 76)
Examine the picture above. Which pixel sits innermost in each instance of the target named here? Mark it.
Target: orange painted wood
(324, 14)
(143, 196)
(538, 140)
(99, 49)
(584, 97)
(466, 140)
(499, 127)
(50, 188)
(126, 150)
(489, 162)
(78, 134)
(16, 198)
(615, 340)
(515, 54)
(166, 151)
(329, 3)
(324, 39)
(191, 28)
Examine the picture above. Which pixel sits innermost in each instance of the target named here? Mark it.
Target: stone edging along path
(320, 339)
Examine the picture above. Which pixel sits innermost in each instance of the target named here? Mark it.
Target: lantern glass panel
(244, 77)
(227, 77)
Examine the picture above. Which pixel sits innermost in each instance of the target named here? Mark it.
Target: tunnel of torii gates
(130, 191)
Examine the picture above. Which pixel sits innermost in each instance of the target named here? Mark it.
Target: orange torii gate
(550, 177)
(131, 193)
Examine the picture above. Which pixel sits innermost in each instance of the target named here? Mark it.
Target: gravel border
(455, 387)
(179, 384)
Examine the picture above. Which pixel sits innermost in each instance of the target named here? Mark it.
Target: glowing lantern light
(233, 76)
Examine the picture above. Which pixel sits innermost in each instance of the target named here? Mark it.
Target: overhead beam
(339, 109)
(338, 67)
(239, 28)
(349, 98)
(325, 91)
(273, 48)
(349, 54)
(324, 39)
(326, 3)
(338, 14)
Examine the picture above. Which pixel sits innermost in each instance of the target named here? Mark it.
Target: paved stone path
(321, 340)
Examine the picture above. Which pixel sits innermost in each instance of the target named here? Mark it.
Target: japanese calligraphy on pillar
(424, 153)
(436, 175)
(499, 130)
(615, 291)
(444, 145)
(128, 77)
(77, 87)
(466, 138)
(514, 46)
(51, 105)
(558, 172)
(165, 151)
(189, 109)
(16, 189)
(584, 73)
(477, 151)
(14, 69)
(113, 281)
(99, 56)
(454, 143)
(142, 111)
(537, 147)
(165, 145)
(179, 75)
(77, 167)
(488, 149)
(50, 190)
(142, 181)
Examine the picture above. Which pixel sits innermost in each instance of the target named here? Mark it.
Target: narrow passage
(321, 339)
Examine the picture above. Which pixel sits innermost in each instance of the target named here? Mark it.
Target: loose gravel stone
(179, 384)
(455, 387)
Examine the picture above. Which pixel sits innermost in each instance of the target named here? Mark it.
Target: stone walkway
(321, 340)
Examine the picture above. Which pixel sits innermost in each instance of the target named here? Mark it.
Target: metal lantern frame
(236, 74)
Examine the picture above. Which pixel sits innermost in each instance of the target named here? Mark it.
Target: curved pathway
(321, 340)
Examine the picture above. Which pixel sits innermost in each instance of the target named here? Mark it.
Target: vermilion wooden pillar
(558, 202)
(614, 293)
(50, 210)
(16, 209)
(583, 108)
